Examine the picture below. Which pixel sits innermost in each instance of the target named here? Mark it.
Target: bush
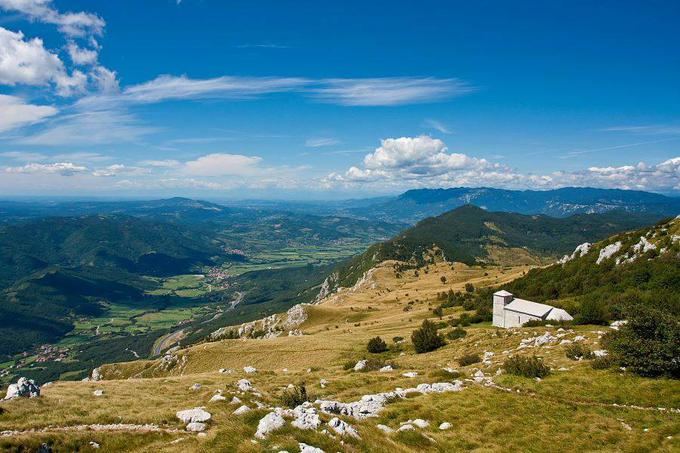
(398, 339)
(532, 367)
(469, 287)
(603, 363)
(376, 345)
(439, 312)
(592, 311)
(648, 344)
(295, 396)
(456, 333)
(469, 359)
(578, 351)
(427, 338)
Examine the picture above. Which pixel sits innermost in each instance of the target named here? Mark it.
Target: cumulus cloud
(61, 168)
(408, 162)
(71, 24)
(119, 169)
(80, 55)
(17, 113)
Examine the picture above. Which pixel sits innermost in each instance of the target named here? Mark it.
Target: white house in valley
(508, 311)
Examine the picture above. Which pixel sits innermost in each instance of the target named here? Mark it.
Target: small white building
(508, 311)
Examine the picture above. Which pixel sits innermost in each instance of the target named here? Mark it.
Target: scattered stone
(487, 358)
(270, 422)
(98, 392)
(195, 387)
(94, 445)
(420, 423)
(24, 388)
(600, 353)
(235, 400)
(342, 427)
(323, 383)
(616, 325)
(410, 374)
(578, 338)
(384, 428)
(196, 427)
(197, 414)
(217, 397)
(241, 410)
(406, 428)
(249, 369)
(386, 369)
(96, 375)
(306, 416)
(304, 448)
(244, 385)
(445, 426)
(360, 365)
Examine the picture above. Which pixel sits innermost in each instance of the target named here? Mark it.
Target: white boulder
(304, 448)
(196, 427)
(360, 365)
(197, 414)
(444, 426)
(249, 369)
(242, 410)
(244, 385)
(270, 422)
(26, 388)
(342, 427)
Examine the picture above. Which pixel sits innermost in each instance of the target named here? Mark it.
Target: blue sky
(334, 99)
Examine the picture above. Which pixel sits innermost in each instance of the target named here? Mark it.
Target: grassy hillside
(473, 235)
(575, 405)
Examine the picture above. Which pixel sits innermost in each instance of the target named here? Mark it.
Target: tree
(427, 338)
(648, 344)
(376, 345)
(443, 279)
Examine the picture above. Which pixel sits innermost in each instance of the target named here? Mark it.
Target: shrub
(577, 351)
(439, 312)
(532, 367)
(469, 287)
(591, 311)
(456, 333)
(398, 339)
(376, 345)
(443, 279)
(427, 338)
(603, 363)
(469, 359)
(648, 344)
(295, 396)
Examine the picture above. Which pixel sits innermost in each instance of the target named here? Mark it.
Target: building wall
(499, 303)
(515, 319)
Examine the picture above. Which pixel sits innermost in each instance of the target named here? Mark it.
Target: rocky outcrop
(270, 422)
(269, 327)
(195, 415)
(24, 388)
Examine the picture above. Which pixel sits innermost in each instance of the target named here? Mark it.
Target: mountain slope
(414, 205)
(599, 280)
(472, 235)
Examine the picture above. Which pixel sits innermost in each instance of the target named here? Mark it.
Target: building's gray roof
(528, 307)
(557, 314)
(502, 292)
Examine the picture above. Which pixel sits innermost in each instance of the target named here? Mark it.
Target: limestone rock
(197, 414)
(304, 448)
(343, 428)
(196, 427)
(26, 388)
(444, 426)
(270, 422)
(360, 365)
(242, 410)
(249, 369)
(244, 385)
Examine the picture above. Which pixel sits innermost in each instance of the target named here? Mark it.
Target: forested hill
(473, 235)
(58, 268)
(601, 279)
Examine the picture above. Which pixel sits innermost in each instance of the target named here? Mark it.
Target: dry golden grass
(572, 410)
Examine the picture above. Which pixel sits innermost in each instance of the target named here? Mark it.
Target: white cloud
(321, 141)
(425, 162)
(61, 168)
(17, 113)
(81, 157)
(654, 129)
(167, 163)
(23, 156)
(71, 24)
(220, 164)
(119, 169)
(96, 127)
(80, 55)
(389, 90)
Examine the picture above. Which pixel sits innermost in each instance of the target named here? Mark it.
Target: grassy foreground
(576, 409)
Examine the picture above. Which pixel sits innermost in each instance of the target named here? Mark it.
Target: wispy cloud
(579, 152)
(655, 129)
(389, 91)
(23, 156)
(16, 112)
(438, 126)
(265, 45)
(319, 142)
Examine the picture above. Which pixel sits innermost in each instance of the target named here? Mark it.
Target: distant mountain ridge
(472, 235)
(417, 204)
